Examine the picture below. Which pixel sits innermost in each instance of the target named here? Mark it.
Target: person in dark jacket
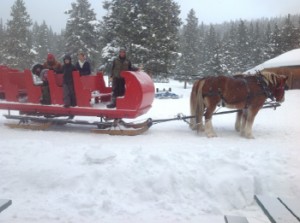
(68, 85)
(120, 64)
(82, 65)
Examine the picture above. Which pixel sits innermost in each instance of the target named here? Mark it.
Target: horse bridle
(281, 86)
(264, 86)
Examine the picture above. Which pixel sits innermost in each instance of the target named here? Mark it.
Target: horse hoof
(211, 135)
(249, 136)
(200, 129)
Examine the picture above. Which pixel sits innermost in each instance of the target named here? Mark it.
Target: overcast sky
(208, 11)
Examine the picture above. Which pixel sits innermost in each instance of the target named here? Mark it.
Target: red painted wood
(137, 100)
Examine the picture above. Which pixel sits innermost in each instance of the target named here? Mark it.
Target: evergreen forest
(155, 37)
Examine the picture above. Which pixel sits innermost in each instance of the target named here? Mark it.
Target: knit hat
(67, 57)
(50, 56)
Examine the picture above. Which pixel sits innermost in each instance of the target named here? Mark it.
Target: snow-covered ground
(169, 174)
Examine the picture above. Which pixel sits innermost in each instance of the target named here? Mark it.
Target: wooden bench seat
(18, 84)
(84, 87)
(4, 204)
(279, 210)
(3, 71)
(56, 87)
(292, 205)
(235, 219)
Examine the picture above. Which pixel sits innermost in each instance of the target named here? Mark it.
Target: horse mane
(269, 77)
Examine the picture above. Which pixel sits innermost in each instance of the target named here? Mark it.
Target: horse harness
(264, 86)
(260, 81)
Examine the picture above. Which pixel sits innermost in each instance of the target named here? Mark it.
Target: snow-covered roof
(290, 58)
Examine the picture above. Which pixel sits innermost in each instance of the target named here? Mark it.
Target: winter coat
(67, 70)
(121, 64)
(85, 69)
(55, 65)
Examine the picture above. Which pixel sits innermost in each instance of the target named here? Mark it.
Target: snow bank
(169, 174)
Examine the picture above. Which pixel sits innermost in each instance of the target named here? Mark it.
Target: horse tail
(193, 105)
(197, 105)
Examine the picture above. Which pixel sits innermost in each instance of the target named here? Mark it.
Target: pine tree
(82, 31)
(275, 42)
(40, 37)
(243, 48)
(56, 43)
(17, 46)
(289, 35)
(2, 37)
(213, 64)
(255, 44)
(265, 42)
(189, 61)
(148, 29)
(201, 48)
(120, 29)
(163, 44)
(229, 49)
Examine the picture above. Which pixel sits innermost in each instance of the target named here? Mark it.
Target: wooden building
(287, 64)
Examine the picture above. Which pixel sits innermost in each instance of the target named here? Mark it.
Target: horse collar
(264, 87)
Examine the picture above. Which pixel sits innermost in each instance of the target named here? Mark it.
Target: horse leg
(243, 121)
(251, 113)
(208, 128)
(199, 122)
(238, 120)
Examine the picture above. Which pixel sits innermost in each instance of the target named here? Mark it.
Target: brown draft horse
(247, 93)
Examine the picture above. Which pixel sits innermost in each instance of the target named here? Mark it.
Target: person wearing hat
(52, 64)
(68, 85)
(121, 63)
(82, 65)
